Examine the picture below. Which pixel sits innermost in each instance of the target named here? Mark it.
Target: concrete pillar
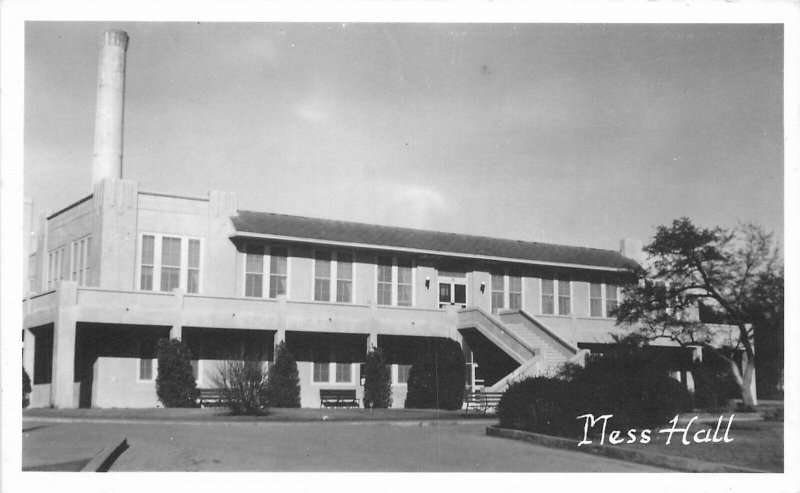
(28, 349)
(280, 337)
(107, 160)
(176, 331)
(62, 393)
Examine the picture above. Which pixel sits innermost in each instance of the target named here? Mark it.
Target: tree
(283, 384)
(436, 379)
(175, 384)
(243, 384)
(377, 381)
(736, 275)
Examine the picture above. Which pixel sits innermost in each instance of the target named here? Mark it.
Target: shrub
(637, 391)
(377, 381)
(243, 384)
(175, 383)
(283, 383)
(26, 389)
(436, 379)
(714, 384)
(540, 405)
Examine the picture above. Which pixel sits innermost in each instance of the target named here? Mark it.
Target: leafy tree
(283, 384)
(175, 384)
(436, 379)
(736, 274)
(377, 381)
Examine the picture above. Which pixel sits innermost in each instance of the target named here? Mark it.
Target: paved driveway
(329, 446)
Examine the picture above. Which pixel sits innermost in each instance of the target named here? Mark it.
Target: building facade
(112, 273)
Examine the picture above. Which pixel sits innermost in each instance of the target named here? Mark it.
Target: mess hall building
(122, 267)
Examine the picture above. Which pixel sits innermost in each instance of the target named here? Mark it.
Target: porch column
(176, 331)
(280, 337)
(28, 352)
(62, 393)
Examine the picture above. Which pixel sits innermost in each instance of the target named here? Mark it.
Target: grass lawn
(274, 415)
(755, 445)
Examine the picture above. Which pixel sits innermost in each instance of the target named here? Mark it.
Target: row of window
(321, 373)
(169, 262)
(75, 267)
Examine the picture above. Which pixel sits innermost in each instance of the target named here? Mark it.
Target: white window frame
(332, 374)
(266, 252)
(395, 281)
(556, 282)
(603, 299)
(55, 267)
(80, 272)
(507, 275)
(334, 276)
(184, 266)
(154, 370)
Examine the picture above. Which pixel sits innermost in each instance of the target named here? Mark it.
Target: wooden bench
(483, 401)
(211, 397)
(338, 398)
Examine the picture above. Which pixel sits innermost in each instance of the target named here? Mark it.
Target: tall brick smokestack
(107, 160)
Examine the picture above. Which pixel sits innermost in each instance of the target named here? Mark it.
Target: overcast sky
(573, 134)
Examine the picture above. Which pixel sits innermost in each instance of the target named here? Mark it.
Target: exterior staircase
(537, 349)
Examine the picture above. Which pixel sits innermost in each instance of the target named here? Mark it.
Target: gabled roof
(358, 235)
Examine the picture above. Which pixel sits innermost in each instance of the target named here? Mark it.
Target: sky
(577, 134)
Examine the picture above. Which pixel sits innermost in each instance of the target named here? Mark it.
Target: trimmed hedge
(283, 383)
(377, 381)
(540, 405)
(437, 378)
(175, 383)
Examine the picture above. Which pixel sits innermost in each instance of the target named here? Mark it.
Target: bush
(714, 384)
(283, 383)
(26, 389)
(243, 385)
(540, 405)
(175, 383)
(436, 379)
(377, 381)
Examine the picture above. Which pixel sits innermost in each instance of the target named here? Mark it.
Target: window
(395, 281)
(321, 372)
(402, 373)
(514, 292)
(611, 299)
(254, 271)
(193, 270)
(257, 257)
(278, 268)
(80, 261)
(170, 263)
(55, 267)
(564, 301)
(330, 266)
(322, 276)
(148, 261)
(344, 277)
(167, 263)
(561, 287)
(595, 299)
(548, 296)
(498, 291)
(146, 369)
(344, 372)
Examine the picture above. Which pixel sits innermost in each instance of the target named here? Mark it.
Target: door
(452, 291)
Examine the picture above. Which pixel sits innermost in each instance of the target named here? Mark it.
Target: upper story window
(168, 262)
(603, 298)
(55, 267)
(506, 291)
(80, 260)
(556, 293)
(395, 281)
(257, 257)
(328, 267)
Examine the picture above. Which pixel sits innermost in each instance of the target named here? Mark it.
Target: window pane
(193, 281)
(547, 286)
(384, 269)
(595, 299)
(564, 305)
(404, 272)
(403, 295)
(498, 282)
(322, 275)
(194, 254)
(402, 373)
(563, 287)
(514, 301)
(344, 266)
(254, 262)
(404, 287)
(460, 293)
(145, 369)
(343, 371)
(514, 284)
(277, 286)
(547, 305)
(497, 300)
(148, 249)
(384, 293)
(611, 299)
(321, 372)
(278, 262)
(322, 290)
(444, 292)
(147, 279)
(170, 278)
(253, 285)
(170, 252)
(344, 291)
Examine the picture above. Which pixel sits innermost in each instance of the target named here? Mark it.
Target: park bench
(338, 398)
(483, 402)
(211, 397)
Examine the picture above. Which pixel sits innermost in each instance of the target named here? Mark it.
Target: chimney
(107, 160)
(633, 249)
